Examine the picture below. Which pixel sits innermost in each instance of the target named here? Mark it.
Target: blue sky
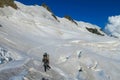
(92, 11)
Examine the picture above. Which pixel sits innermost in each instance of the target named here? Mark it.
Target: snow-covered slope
(30, 31)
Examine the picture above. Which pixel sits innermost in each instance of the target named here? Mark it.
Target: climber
(45, 60)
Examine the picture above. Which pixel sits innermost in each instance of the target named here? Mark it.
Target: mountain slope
(30, 31)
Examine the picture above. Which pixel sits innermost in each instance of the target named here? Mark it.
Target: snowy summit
(77, 50)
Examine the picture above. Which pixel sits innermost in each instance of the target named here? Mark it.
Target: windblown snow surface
(30, 31)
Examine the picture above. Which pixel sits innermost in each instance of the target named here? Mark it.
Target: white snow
(31, 31)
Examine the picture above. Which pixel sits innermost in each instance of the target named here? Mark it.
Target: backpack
(46, 58)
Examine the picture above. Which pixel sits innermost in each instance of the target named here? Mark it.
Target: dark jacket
(45, 60)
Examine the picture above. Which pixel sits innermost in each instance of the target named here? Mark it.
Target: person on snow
(45, 60)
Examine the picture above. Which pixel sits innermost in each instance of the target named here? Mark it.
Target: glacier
(30, 31)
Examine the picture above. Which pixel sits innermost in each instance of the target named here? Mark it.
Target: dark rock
(95, 31)
(70, 19)
(8, 3)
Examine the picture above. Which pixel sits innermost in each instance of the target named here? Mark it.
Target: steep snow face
(7, 11)
(113, 27)
(75, 53)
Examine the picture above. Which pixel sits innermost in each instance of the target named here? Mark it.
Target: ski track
(10, 41)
